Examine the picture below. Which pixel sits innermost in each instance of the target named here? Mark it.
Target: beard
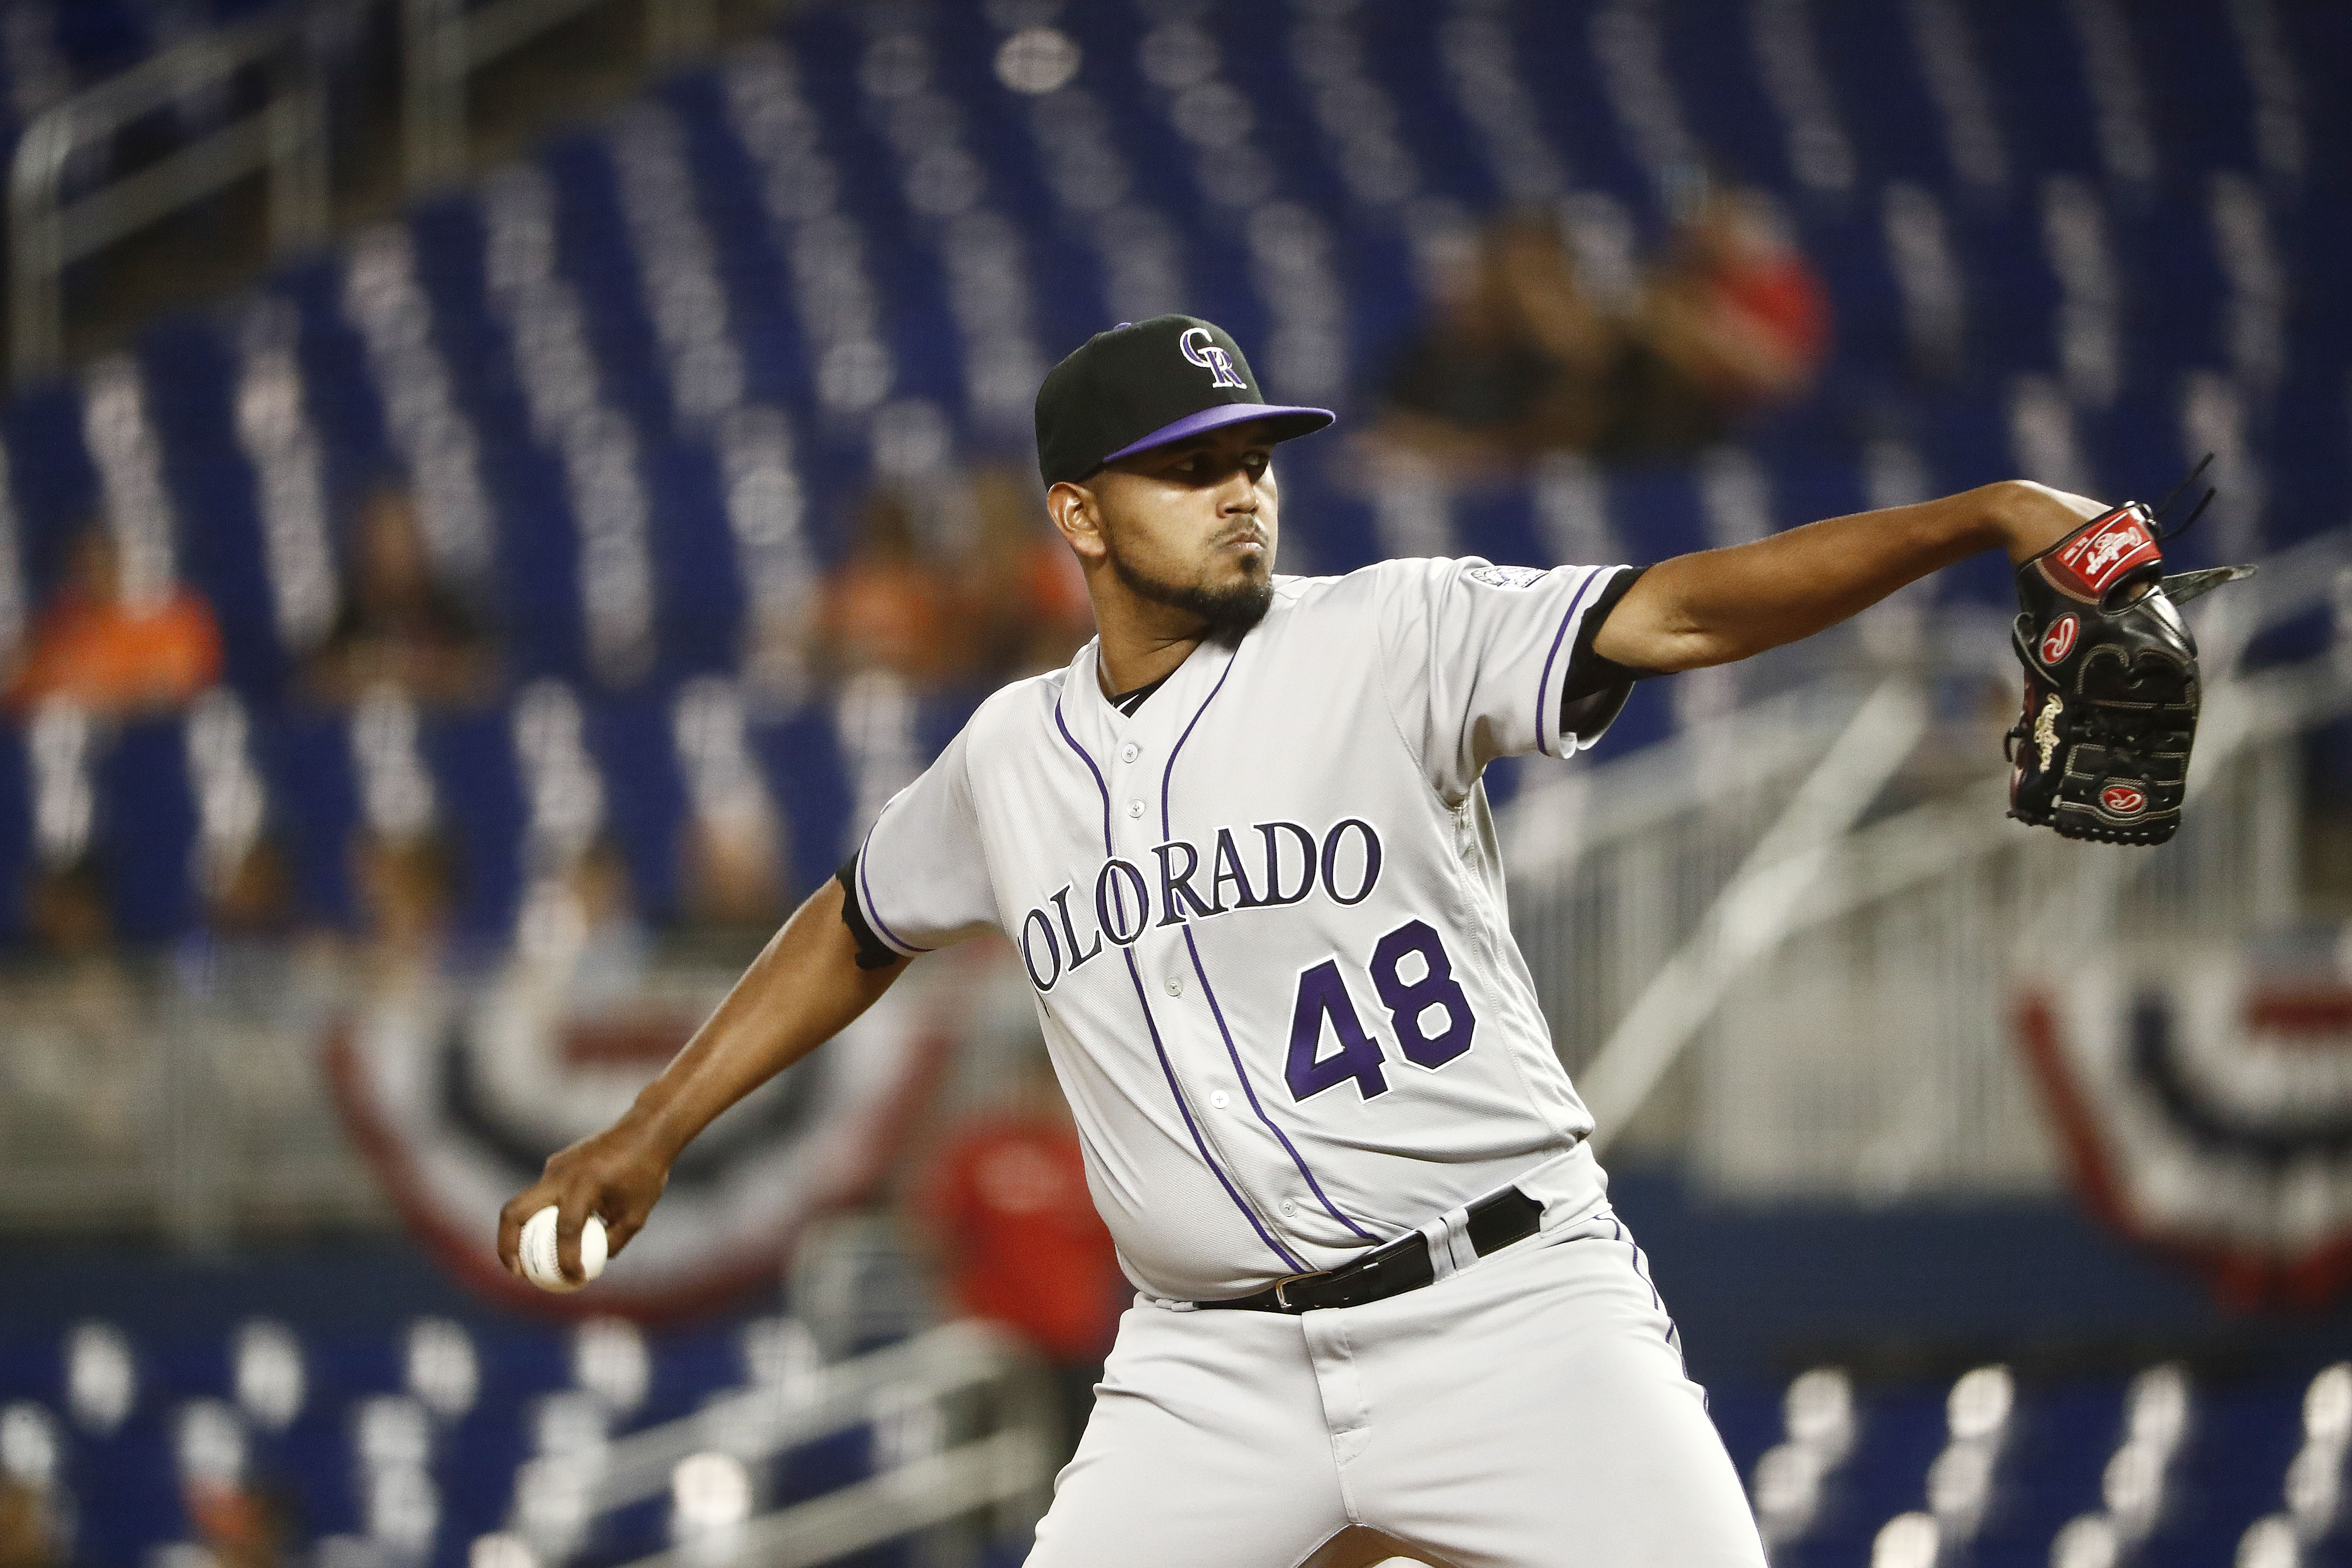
(1229, 612)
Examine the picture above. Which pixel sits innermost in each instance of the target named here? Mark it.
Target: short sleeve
(920, 881)
(1481, 660)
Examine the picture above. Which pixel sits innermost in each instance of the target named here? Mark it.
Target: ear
(1078, 514)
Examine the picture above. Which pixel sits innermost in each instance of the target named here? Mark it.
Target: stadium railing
(282, 134)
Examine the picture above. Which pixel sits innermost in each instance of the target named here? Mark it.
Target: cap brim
(1290, 423)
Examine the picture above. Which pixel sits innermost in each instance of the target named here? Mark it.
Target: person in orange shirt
(1006, 1203)
(884, 607)
(115, 658)
(1022, 596)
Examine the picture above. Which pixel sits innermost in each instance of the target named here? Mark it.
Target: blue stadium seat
(2033, 64)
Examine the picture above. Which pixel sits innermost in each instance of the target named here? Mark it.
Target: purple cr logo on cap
(1208, 357)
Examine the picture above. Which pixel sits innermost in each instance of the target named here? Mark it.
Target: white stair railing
(945, 1486)
(1005, 1460)
(283, 134)
(1754, 911)
(283, 130)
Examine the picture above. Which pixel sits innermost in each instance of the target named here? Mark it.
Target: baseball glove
(2101, 750)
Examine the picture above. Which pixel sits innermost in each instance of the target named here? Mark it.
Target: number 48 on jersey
(1414, 979)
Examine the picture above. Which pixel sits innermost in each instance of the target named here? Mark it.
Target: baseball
(539, 1258)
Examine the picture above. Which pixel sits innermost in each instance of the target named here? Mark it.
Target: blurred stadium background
(497, 492)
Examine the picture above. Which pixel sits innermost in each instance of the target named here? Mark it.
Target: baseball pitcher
(1241, 847)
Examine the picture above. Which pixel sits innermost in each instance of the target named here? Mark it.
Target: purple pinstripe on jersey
(874, 916)
(1544, 684)
(1249, 1091)
(1135, 978)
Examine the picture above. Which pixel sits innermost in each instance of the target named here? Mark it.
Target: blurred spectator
(884, 607)
(581, 921)
(1014, 603)
(1026, 599)
(240, 1524)
(66, 909)
(731, 867)
(732, 847)
(1007, 1205)
(32, 1533)
(252, 895)
(1734, 320)
(398, 623)
(1514, 359)
(1517, 360)
(406, 888)
(115, 657)
(76, 1045)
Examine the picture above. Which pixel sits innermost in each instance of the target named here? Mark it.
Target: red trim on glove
(2088, 563)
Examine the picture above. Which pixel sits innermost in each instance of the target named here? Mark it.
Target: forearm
(1718, 605)
(804, 988)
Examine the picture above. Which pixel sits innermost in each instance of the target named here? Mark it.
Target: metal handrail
(759, 1422)
(443, 43)
(932, 1491)
(1005, 1466)
(446, 42)
(1752, 911)
(47, 233)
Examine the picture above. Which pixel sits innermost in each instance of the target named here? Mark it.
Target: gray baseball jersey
(1264, 916)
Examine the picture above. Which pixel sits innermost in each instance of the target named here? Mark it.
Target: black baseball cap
(1144, 384)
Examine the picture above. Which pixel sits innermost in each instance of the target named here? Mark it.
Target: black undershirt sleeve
(1596, 688)
(873, 953)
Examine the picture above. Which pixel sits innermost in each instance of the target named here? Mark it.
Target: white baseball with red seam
(539, 1255)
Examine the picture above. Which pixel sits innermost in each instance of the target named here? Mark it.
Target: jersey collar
(1186, 687)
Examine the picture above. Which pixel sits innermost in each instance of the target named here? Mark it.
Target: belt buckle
(1282, 1288)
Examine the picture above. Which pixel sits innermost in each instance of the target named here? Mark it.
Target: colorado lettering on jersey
(1266, 864)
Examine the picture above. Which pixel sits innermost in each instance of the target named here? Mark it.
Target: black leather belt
(1394, 1267)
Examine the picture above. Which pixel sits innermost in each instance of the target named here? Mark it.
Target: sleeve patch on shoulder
(1506, 576)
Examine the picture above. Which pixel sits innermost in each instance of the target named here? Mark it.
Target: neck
(1140, 640)
(1128, 662)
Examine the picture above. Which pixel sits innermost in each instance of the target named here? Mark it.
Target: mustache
(1249, 532)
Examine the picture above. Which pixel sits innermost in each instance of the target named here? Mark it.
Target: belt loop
(1441, 1253)
(1457, 1237)
(1448, 1236)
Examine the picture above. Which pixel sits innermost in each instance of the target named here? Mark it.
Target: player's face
(1193, 526)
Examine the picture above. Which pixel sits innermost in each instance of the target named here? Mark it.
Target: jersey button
(1289, 1209)
(1175, 985)
(1135, 808)
(1220, 1099)
(1129, 752)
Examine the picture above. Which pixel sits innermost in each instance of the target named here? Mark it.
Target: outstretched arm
(1718, 605)
(804, 988)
